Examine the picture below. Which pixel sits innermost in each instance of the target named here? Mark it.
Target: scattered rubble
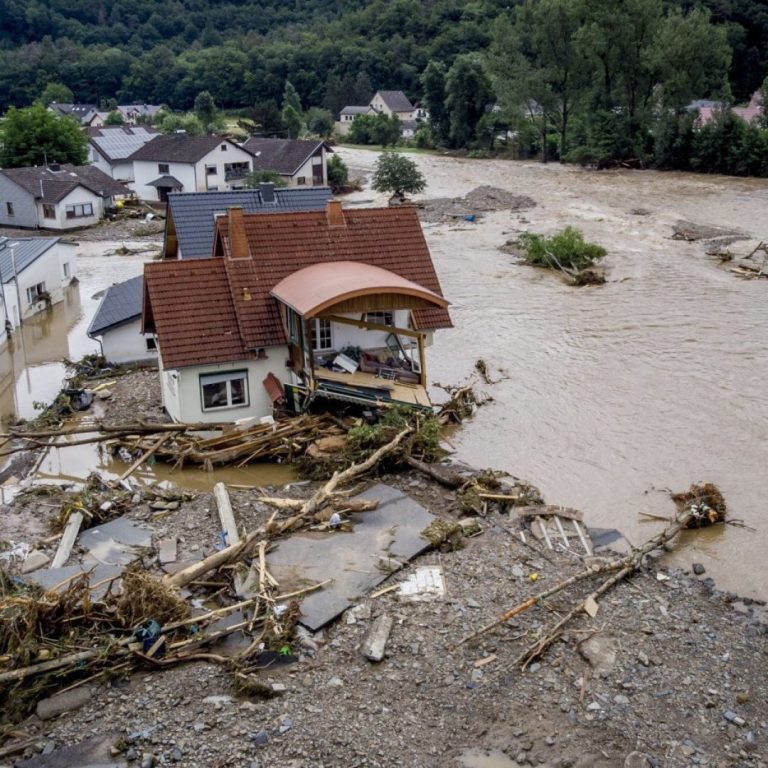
(473, 205)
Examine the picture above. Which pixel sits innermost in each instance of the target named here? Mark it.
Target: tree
(338, 173)
(205, 110)
(291, 122)
(253, 179)
(35, 136)
(468, 95)
(433, 84)
(114, 118)
(170, 122)
(319, 121)
(381, 129)
(56, 92)
(397, 174)
(291, 97)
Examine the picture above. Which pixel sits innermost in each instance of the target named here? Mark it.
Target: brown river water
(613, 394)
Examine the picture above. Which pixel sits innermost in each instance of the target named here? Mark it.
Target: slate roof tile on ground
(285, 156)
(121, 303)
(218, 309)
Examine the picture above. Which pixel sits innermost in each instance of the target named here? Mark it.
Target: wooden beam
(68, 539)
(226, 514)
(372, 326)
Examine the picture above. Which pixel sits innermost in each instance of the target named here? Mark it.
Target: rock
(622, 701)
(699, 569)
(176, 755)
(535, 667)
(286, 723)
(261, 738)
(34, 560)
(335, 682)
(638, 760)
(600, 652)
(104, 394)
(147, 760)
(643, 659)
(64, 702)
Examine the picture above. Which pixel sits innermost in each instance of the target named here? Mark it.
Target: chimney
(55, 167)
(267, 189)
(238, 242)
(334, 214)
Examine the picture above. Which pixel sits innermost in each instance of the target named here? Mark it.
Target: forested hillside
(333, 51)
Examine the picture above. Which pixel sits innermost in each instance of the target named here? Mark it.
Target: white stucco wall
(182, 394)
(306, 172)
(78, 196)
(47, 269)
(127, 344)
(145, 171)
(219, 157)
(343, 335)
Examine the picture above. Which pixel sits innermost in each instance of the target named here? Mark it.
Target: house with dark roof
(294, 307)
(300, 163)
(56, 196)
(191, 216)
(34, 273)
(182, 163)
(348, 114)
(387, 103)
(111, 147)
(393, 103)
(117, 324)
(83, 113)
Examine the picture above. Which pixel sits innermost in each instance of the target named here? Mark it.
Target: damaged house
(291, 307)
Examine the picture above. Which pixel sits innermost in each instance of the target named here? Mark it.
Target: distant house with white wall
(111, 147)
(299, 163)
(285, 300)
(132, 113)
(393, 103)
(34, 271)
(117, 324)
(347, 115)
(83, 113)
(384, 103)
(182, 163)
(56, 196)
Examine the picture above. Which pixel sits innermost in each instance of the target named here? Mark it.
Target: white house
(111, 147)
(34, 271)
(393, 103)
(387, 103)
(182, 163)
(347, 115)
(299, 163)
(56, 196)
(293, 307)
(117, 324)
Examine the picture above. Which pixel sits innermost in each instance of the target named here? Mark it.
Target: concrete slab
(381, 541)
(54, 577)
(115, 542)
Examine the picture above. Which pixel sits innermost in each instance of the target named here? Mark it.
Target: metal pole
(16, 280)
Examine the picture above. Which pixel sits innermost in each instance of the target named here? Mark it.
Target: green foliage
(567, 249)
(291, 121)
(56, 92)
(205, 110)
(338, 173)
(35, 135)
(398, 174)
(319, 122)
(383, 130)
(170, 122)
(114, 118)
(291, 98)
(253, 179)
(468, 96)
(433, 83)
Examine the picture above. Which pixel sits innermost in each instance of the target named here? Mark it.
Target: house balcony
(236, 173)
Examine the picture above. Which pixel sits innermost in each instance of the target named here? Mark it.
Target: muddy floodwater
(614, 393)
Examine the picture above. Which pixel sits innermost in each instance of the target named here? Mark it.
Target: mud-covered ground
(682, 680)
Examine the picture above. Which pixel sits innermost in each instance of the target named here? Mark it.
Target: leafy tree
(114, 118)
(56, 92)
(253, 179)
(468, 96)
(171, 122)
(291, 97)
(381, 129)
(398, 174)
(567, 248)
(291, 121)
(35, 135)
(338, 173)
(433, 84)
(319, 121)
(205, 110)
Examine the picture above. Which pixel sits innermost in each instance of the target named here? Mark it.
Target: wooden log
(136, 464)
(226, 514)
(68, 539)
(444, 477)
(375, 642)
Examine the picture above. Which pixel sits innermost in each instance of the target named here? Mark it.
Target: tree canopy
(36, 136)
(398, 174)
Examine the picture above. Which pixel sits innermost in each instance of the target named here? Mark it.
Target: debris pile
(480, 200)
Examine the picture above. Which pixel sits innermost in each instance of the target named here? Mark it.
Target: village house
(299, 163)
(182, 163)
(116, 324)
(334, 304)
(57, 196)
(707, 109)
(191, 216)
(387, 103)
(34, 272)
(83, 113)
(111, 147)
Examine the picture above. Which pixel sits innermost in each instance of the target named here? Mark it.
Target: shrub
(565, 249)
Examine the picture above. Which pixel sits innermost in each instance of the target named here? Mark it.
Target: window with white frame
(34, 292)
(79, 210)
(163, 168)
(380, 318)
(210, 170)
(65, 269)
(322, 337)
(9, 209)
(301, 181)
(151, 343)
(293, 327)
(224, 390)
(49, 211)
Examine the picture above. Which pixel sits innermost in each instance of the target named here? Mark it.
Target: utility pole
(12, 249)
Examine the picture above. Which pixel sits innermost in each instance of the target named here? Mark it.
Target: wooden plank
(544, 533)
(226, 514)
(547, 511)
(375, 642)
(144, 456)
(584, 540)
(561, 530)
(68, 539)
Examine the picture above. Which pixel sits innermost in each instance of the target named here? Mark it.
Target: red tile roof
(197, 324)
